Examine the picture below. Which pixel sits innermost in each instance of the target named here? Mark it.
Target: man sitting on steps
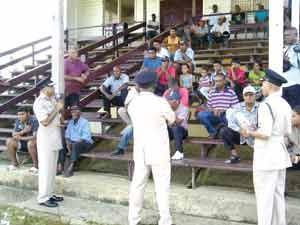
(114, 89)
(240, 116)
(23, 138)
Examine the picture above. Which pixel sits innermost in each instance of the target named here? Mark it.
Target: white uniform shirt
(149, 115)
(271, 154)
(220, 28)
(49, 137)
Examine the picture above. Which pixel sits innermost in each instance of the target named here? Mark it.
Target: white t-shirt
(163, 53)
(220, 28)
(152, 23)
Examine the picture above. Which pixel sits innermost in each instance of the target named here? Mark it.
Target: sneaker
(33, 170)
(117, 152)
(12, 168)
(177, 156)
(233, 159)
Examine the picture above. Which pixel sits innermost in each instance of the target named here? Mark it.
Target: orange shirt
(172, 43)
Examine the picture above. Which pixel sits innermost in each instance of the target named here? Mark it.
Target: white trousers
(161, 175)
(269, 191)
(47, 172)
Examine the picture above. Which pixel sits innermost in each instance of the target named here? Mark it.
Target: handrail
(228, 13)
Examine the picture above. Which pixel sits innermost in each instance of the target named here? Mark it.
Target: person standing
(76, 74)
(47, 111)
(271, 157)
(150, 116)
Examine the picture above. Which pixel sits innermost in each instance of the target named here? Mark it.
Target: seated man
(200, 34)
(179, 130)
(220, 99)
(293, 140)
(220, 33)
(78, 140)
(184, 55)
(114, 89)
(240, 116)
(183, 92)
(76, 74)
(161, 52)
(23, 138)
(237, 78)
(152, 62)
(152, 27)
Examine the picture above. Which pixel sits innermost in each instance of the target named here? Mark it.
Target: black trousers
(291, 94)
(77, 148)
(116, 101)
(72, 99)
(229, 137)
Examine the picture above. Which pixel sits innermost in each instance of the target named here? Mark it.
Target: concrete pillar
(119, 11)
(276, 36)
(295, 13)
(58, 47)
(194, 9)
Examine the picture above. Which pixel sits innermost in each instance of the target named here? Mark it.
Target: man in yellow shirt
(172, 43)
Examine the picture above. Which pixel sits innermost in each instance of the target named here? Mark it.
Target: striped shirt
(205, 81)
(222, 100)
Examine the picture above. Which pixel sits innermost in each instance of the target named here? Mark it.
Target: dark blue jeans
(178, 134)
(116, 101)
(209, 120)
(77, 148)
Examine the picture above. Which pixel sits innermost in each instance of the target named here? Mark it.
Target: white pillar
(194, 9)
(295, 13)
(58, 47)
(276, 35)
(119, 11)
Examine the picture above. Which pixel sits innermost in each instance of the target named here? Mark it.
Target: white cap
(249, 89)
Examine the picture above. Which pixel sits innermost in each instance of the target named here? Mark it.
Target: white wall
(153, 6)
(224, 6)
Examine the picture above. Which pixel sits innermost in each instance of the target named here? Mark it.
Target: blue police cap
(174, 95)
(146, 78)
(274, 78)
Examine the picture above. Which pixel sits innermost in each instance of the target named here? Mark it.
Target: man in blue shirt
(114, 89)
(152, 62)
(23, 138)
(78, 139)
(240, 116)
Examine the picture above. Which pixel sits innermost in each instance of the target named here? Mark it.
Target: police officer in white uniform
(271, 157)
(150, 116)
(49, 143)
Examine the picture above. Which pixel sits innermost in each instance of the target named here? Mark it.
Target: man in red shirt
(165, 73)
(76, 73)
(237, 78)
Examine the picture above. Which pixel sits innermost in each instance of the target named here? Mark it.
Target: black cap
(274, 78)
(146, 78)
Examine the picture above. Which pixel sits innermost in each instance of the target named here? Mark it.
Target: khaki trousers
(269, 191)
(161, 175)
(47, 172)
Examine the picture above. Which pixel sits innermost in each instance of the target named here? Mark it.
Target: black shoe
(49, 204)
(119, 151)
(55, 198)
(233, 159)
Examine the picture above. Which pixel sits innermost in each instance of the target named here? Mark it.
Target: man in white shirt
(271, 157)
(152, 27)
(184, 55)
(160, 51)
(150, 116)
(47, 112)
(219, 33)
(114, 90)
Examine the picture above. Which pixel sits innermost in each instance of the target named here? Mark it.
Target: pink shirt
(184, 94)
(163, 78)
(241, 76)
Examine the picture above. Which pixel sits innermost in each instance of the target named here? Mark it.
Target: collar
(146, 93)
(255, 106)
(275, 95)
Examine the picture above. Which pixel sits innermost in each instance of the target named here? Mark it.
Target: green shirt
(254, 77)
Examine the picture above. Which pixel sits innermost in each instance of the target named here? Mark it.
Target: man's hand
(217, 113)
(244, 132)
(80, 79)
(17, 137)
(59, 106)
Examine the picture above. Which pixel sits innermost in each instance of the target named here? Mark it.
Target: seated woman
(293, 140)
(256, 75)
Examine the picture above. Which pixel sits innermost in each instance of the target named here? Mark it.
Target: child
(205, 82)
(186, 79)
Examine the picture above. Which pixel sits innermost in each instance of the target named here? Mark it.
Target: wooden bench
(196, 165)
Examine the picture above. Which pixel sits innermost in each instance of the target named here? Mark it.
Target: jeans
(117, 100)
(127, 136)
(77, 148)
(209, 120)
(230, 138)
(72, 99)
(178, 133)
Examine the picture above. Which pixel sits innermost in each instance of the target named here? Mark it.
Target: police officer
(150, 116)
(271, 157)
(49, 143)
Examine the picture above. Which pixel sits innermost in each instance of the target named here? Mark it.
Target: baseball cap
(249, 89)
